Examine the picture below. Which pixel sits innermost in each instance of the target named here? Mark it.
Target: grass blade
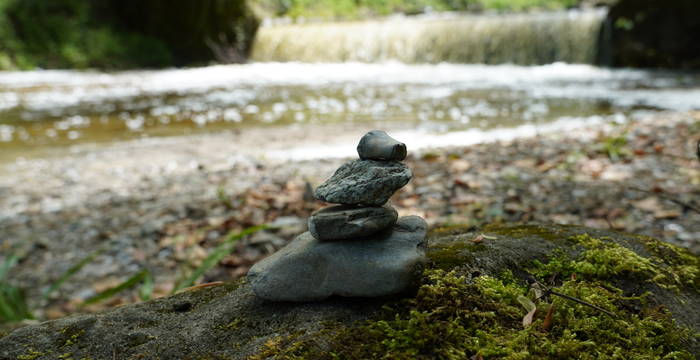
(70, 272)
(146, 290)
(8, 264)
(223, 249)
(129, 283)
(13, 304)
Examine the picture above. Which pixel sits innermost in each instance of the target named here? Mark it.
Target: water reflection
(44, 109)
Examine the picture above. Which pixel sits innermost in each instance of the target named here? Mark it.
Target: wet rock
(309, 270)
(364, 182)
(377, 145)
(348, 222)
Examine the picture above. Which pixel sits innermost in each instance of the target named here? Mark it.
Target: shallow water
(43, 112)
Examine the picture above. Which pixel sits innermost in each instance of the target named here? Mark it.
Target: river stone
(310, 270)
(346, 221)
(364, 182)
(377, 145)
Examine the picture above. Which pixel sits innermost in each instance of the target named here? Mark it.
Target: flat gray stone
(364, 182)
(342, 222)
(310, 270)
(378, 145)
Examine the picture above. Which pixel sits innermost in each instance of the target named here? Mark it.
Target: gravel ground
(163, 204)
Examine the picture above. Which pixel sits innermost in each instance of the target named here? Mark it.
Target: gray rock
(377, 145)
(309, 270)
(364, 182)
(346, 222)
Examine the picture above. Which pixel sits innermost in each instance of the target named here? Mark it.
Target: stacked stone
(359, 248)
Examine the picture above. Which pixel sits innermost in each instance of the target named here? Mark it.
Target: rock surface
(378, 145)
(364, 182)
(310, 270)
(349, 222)
(230, 322)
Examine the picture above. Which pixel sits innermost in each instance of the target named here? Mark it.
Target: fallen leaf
(547, 323)
(530, 307)
(649, 204)
(667, 214)
(200, 286)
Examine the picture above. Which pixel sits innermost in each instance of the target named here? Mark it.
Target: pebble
(348, 222)
(311, 270)
(378, 145)
(364, 182)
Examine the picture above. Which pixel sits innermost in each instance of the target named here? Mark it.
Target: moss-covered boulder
(597, 294)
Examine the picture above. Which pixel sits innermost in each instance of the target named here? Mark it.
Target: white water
(526, 39)
(45, 109)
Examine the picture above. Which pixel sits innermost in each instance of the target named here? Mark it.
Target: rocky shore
(167, 212)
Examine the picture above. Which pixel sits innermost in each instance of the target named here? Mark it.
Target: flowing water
(42, 112)
(525, 39)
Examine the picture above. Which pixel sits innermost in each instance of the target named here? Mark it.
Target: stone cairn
(359, 248)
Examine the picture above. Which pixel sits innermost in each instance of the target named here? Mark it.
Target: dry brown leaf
(547, 323)
(667, 214)
(200, 286)
(649, 204)
(530, 307)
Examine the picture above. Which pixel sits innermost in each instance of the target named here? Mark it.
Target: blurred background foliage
(111, 34)
(351, 9)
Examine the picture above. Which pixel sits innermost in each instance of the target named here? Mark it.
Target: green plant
(223, 249)
(70, 272)
(142, 277)
(615, 147)
(13, 302)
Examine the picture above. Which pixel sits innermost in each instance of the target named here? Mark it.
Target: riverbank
(163, 204)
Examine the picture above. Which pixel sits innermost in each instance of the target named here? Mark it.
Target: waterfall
(525, 39)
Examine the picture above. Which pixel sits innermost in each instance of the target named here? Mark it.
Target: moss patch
(526, 231)
(453, 317)
(669, 267)
(451, 256)
(457, 316)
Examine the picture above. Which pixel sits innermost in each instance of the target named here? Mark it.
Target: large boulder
(652, 34)
(467, 304)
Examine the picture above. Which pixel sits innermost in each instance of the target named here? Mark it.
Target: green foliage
(131, 282)
(615, 147)
(221, 251)
(120, 34)
(70, 272)
(13, 303)
(350, 9)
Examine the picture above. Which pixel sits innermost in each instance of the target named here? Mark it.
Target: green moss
(603, 259)
(681, 264)
(450, 229)
(454, 318)
(31, 354)
(451, 256)
(231, 326)
(72, 336)
(525, 231)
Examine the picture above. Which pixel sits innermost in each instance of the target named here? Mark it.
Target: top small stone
(377, 145)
